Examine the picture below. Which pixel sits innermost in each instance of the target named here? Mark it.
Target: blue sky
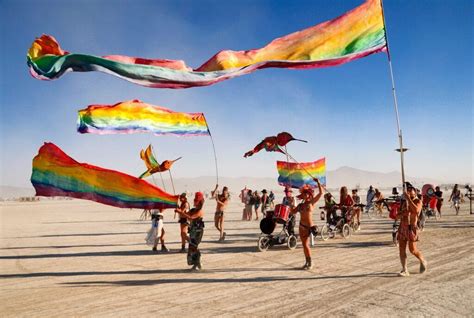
(346, 113)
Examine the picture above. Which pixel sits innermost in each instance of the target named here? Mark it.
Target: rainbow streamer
(135, 117)
(356, 34)
(57, 174)
(296, 175)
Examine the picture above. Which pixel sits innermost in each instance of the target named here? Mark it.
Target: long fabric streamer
(57, 174)
(136, 117)
(296, 175)
(353, 35)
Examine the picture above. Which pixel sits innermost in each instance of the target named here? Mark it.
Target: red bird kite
(272, 143)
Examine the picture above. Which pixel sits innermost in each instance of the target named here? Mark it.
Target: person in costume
(222, 200)
(306, 222)
(408, 230)
(183, 220)
(157, 232)
(196, 231)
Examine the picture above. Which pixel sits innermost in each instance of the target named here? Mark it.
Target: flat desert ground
(78, 258)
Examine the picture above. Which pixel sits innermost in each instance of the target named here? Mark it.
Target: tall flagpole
(214, 150)
(399, 131)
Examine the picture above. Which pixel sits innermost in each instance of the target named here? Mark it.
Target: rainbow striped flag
(57, 174)
(355, 34)
(137, 117)
(296, 175)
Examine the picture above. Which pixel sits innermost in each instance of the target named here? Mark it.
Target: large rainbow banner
(355, 34)
(296, 175)
(135, 116)
(57, 174)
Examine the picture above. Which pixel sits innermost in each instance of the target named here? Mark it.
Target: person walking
(408, 230)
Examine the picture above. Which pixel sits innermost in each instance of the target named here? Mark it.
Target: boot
(423, 266)
(183, 248)
(164, 248)
(308, 264)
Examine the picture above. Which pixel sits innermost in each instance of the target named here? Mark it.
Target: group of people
(192, 224)
(253, 201)
(348, 203)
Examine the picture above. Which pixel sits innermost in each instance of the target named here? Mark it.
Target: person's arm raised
(320, 193)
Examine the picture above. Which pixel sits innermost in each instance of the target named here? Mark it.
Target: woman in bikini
(306, 222)
(183, 221)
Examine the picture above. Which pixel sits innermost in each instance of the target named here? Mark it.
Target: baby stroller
(281, 215)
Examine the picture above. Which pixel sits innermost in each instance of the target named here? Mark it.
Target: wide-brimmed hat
(264, 191)
(305, 189)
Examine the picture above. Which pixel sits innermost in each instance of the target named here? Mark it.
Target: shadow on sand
(197, 280)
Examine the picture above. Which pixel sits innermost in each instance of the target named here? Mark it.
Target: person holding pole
(196, 231)
(306, 222)
(183, 221)
(222, 201)
(408, 230)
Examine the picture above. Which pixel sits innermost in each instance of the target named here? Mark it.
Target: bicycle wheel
(263, 243)
(325, 232)
(346, 231)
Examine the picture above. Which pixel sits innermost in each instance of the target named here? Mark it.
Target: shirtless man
(222, 201)
(196, 231)
(408, 230)
(306, 222)
(183, 221)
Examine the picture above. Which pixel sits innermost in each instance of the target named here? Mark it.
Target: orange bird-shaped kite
(152, 165)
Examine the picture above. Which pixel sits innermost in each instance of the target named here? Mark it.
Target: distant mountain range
(347, 176)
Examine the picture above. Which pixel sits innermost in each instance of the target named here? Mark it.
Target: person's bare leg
(221, 225)
(417, 254)
(183, 228)
(216, 222)
(306, 249)
(256, 213)
(162, 239)
(402, 246)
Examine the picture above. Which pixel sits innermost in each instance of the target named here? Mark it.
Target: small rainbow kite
(57, 174)
(135, 117)
(355, 34)
(296, 175)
